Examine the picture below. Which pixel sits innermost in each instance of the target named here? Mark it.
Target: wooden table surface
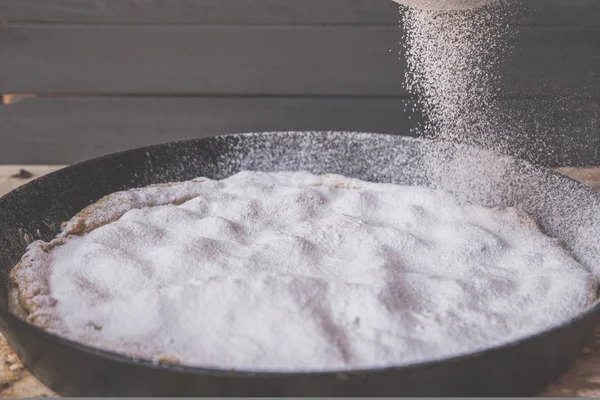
(582, 379)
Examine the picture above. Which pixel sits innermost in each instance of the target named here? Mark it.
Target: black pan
(564, 208)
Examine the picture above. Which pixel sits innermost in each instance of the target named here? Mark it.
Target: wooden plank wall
(114, 74)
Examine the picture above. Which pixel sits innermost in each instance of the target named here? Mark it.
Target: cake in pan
(292, 271)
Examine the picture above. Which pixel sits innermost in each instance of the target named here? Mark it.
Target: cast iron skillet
(563, 207)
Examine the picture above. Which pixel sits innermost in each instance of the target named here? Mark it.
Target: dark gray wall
(116, 74)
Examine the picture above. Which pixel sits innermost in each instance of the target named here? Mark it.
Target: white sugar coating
(444, 5)
(292, 271)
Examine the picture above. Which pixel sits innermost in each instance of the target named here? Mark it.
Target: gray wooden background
(97, 76)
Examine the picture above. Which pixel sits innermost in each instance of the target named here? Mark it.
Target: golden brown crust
(79, 225)
(14, 304)
(168, 360)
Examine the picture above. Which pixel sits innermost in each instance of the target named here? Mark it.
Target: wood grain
(66, 130)
(222, 60)
(553, 61)
(268, 60)
(211, 12)
(265, 12)
(58, 130)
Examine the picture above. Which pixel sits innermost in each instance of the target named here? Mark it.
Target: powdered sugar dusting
(292, 271)
(452, 66)
(444, 5)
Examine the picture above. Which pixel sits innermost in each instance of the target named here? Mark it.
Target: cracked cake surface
(291, 271)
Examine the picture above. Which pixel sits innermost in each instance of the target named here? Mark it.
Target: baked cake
(292, 271)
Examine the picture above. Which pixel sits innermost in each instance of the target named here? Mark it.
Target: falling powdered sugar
(452, 60)
(444, 5)
(291, 271)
